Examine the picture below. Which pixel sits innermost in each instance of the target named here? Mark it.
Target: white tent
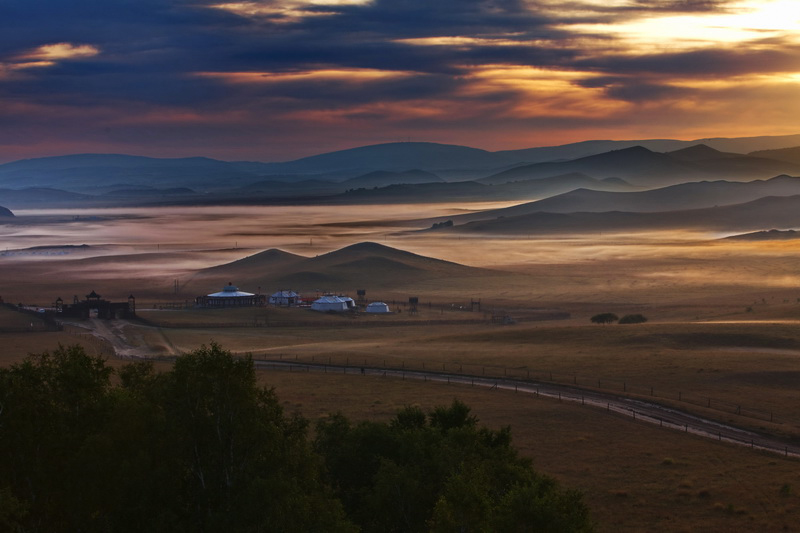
(287, 298)
(378, 307)
(333, 303)
(230, 296)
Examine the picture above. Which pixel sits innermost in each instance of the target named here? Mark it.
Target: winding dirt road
(639, 410)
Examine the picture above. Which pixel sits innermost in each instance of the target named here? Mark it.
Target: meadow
(722, 324)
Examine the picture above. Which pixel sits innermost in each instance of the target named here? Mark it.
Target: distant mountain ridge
(639, 162)
(694, 195)
(767, 212)
(642, 166)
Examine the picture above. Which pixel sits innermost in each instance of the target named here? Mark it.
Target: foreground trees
(199, 448)
(441, 472)
(204, 448)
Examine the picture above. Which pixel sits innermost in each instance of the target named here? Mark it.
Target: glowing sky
(275, 80)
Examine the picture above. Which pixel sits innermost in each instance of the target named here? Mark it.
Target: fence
(655, 414)
(526, 375)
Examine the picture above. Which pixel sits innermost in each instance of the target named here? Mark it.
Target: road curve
(638, 410)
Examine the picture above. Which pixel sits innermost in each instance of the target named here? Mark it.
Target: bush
(633, 319)
(604, 318)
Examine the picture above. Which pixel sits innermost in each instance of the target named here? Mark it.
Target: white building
(338, 304)
(230, 296)
(378, 307)
(284, 298)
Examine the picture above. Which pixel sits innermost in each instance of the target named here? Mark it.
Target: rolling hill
(396, 157)
(577, 150)
(642, 167)
(363, 265)
(474, 191)
(639, 162)
(790, 155)
(768, 212)
(637, 165)
(767, 235)
(85, 172)
(694, 195)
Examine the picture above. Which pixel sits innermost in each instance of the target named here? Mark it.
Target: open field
(722, 331)
(682, 483)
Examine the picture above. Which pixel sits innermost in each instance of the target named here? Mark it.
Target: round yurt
(378, 308)
(230, 296)
(336, 304)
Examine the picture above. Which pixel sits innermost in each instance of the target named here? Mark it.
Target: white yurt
(378, 307)
(230, 296)
(333, 303)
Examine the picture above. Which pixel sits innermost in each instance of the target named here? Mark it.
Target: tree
(633, 319)
(199, 448)
(440, 472)
(604, 318)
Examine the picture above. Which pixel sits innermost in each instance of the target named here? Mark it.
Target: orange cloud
(58, 52)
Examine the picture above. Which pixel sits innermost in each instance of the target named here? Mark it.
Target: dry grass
(634, 477)
(722, 325)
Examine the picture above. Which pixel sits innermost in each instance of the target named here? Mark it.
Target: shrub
(604, 318)
(633, 319)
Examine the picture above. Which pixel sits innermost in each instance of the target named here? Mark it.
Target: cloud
(367, 67)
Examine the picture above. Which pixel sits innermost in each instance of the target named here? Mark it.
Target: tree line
(204, 447)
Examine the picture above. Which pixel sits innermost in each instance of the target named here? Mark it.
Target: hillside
(770, 235)
(731, 165)
(85, 172)
(637, 165)
(643, 167)
(396, 157)
(790, 155)
(383, 178)
(363, 265)
(676, 197)
(640, 163)
(769, 212)
(741, 145)
(5, 212)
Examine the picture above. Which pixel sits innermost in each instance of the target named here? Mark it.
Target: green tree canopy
(199, 448)
(203, 447)
(441, 472)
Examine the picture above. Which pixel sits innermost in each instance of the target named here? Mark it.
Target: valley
(507, 282)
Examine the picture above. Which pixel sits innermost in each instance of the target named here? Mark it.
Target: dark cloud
(713, 63)
(152, 54)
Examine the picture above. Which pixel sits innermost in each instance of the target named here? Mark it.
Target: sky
(267, 80)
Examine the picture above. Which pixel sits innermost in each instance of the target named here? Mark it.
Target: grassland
(723, 325)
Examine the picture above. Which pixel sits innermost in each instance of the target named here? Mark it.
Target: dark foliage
(633, 319)
(441, 472)
(204, 448)
(604, 318)
(200, 448)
